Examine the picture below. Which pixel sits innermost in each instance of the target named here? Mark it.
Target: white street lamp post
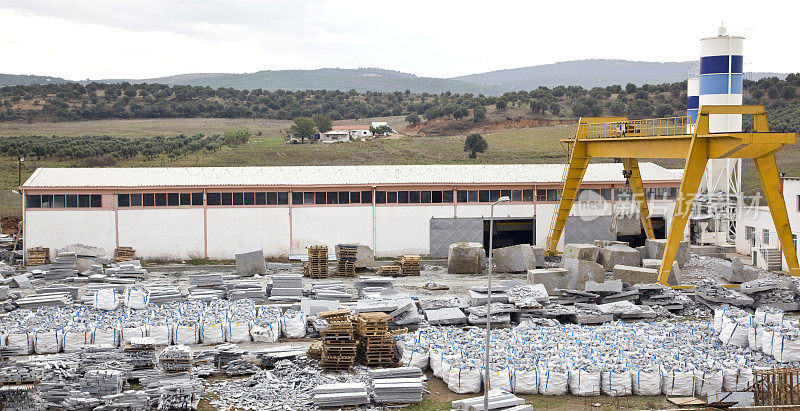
(502, 199)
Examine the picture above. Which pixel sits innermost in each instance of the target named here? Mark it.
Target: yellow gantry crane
(617, 137)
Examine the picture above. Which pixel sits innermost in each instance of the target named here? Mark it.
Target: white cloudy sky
(79, 39)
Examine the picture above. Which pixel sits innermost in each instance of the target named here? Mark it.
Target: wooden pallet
(346, 268)
(410, 264)
(392, 270)
(318, 261)
(124, 254)
(335, 315)
(38, 256)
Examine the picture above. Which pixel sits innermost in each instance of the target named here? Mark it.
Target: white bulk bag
(238, 332)
(768, 316)
(525, 381)
(3, 338)
(616, 383)
(106, 299)
(707, 382)
(414, 356)
(552, 382)
(465, 379)
(136, 298)
(268, 332)
(734, 332)
(785, 350)
(737, 379)
(213, 332)
(719, 315)
(435, 359)
(755, 336)
(646, 382)
(294, 324)
(500, 378)
(46, 342)
(105, 336)
(766, 340)
(677, 383)
(584, 383)
(20, 342)
(183, 334)
(160, 333)
(76, 337)
(446, 367)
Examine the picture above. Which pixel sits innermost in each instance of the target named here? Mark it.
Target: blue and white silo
(721, 76)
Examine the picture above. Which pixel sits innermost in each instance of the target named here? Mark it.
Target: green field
(531, 145)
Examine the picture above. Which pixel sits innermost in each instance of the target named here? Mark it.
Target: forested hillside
(69, 102)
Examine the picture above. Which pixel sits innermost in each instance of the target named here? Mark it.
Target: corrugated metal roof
(330, 175)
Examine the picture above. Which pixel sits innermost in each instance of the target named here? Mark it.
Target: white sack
(46, 342)
(646, 382)
(75, 338)
(269, 332)
(755, 336)
(105, 336)
(737, 379)
(106, 299)
(768, 316)
(294, 324)
(183, 334)
(213, 333)
(500, 379)
(616, 383)
(162, 334)
(552, 382)
(414, 356)
(238, 332)
(465, 379)
(735, 333)
(525, 381)
(584, 383)
(129, 333)
(677, 383)
(21, 342)
(785, 350)
(707, 382)
(136, 298)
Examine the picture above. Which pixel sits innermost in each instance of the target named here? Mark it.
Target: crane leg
(578, 162)
(692, 174)
(770, 181)
(637, 188)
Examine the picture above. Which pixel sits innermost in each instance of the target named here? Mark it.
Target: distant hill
(590, 73)
(585, 73)
(361, 80)
(27, 80)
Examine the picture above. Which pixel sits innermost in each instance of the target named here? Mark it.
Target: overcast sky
(150, 38)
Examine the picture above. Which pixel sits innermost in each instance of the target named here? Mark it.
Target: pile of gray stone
(353, 394)
(402, 385)
(286, 287)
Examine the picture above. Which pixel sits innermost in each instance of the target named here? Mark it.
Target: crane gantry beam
(618, 137)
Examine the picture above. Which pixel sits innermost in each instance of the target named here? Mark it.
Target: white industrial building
(755, 232)
(214, 212)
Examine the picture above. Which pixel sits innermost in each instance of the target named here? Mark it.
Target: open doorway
(510, 231)
(659, 231)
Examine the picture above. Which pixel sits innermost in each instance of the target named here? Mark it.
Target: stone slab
(539, 253)
(466, 258)
(551, 278)
(651, 263)
(514, 259)
(610, 286)
(446, 316)
(586, 252)
(250, 263)
(581, 271)
(618, 254)
(635, 275)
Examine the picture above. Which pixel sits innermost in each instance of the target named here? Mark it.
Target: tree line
(73, 101)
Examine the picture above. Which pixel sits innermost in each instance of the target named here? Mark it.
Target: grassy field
(529, 145)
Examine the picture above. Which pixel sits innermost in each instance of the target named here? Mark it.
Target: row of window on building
(330, 197)
(64, 201)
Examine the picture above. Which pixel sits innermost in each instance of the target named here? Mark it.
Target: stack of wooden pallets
(38, 256)
(317, 266)
(338, 344)
(392, 270)
(410, 264)
(375, 342)
(315, 350)
(346, 257)
(124, 254)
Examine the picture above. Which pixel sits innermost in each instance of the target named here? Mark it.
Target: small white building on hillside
(756, 234)
(334, 136)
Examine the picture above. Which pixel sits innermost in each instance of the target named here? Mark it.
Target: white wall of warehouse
(232, 230)
(178, 233)
(164, 234)
(58, 229)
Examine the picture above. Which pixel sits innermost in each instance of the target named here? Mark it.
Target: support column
(637, 188)
(578, 162)
(770, 180)
(692, 174)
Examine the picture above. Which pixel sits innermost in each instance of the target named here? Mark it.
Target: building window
(605, 193)
(425, 197)
(355, 197)
(123, 200)
(472, 196)
(272, 198)
(83, 200)
(750, 235)
(483, 196)
(516, 195)
(391, 197)
(494, 195)
(366, 197)
(238, 198)
(283, 197)
(319, 197)
(59, 201)
(136, 200)
(261, 198)
(344, 197)
(96, 200)
(447, 197)
(550, 194)
(297, 198)
(765, 236)
(185, 199)
(402, 197)
(47, 201)
(527, 195)
(33, 201)
(249, 198)
(214, 199)
(380, 197)
(414, 197)
(173, 199)
(623, 194)
(63, 200)
(461, 196)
